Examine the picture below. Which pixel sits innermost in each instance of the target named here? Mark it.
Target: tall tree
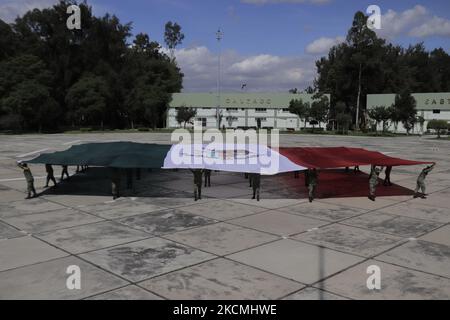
(300, 108)
(320, 108)
(405, 106)
(185, 114)
(173, 37)
(88, 100)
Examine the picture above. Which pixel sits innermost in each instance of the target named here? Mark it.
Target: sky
(270, 45)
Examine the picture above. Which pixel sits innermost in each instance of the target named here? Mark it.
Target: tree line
(52, 78)
(366, 64)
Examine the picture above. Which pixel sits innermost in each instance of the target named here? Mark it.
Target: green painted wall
(238, 100)
(425, 101)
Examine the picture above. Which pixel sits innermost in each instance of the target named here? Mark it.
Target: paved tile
(8, 195)
(141, 260)
(421, 255)
(165, 221)
(47, 280)
(269, 203)
(222, 209)
(22, 251)
(52, 220)
(419, 210)
(226, 192)
(92, 237)
(75, 201)
(221, 238)
(324, 211)
(127, 293)
(221, 280)
(8, 232)
(279, 223)
(294, 260)
(441, 235)
(360, 202)
(350, 239)
(393, 224)
(18, 208)
(397, 283)
(313, 294)
(170, 199)
(120, 208)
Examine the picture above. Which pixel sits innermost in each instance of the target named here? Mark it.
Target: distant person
(306, 178)
(198, 174)
(421, 182)
(256, 184)
(50, 175)
(387, 178)
(373, 181)
(207, 173)
(356, 169)
(313, 176)
(115, 183)
(29, 179)
(64, 172)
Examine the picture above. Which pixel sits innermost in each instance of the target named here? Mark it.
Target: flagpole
(219, 36)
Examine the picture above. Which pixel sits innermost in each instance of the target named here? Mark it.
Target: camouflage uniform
(50, 175)
(207, 178)
(312, 184)
(387, 179)
(198, 174)
(373, 181)
(421, 181)
(256, 184)
(64, 172)
(30, 181)
(115, 183)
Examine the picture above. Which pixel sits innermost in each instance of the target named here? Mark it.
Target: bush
(144, 129)
(440, 126)
(86, 129)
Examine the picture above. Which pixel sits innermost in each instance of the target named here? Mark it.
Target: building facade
(240, 110)
(431, 106)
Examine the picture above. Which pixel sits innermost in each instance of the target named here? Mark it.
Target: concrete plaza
(157, 243)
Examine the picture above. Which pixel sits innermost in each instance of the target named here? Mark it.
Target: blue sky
(269, 44)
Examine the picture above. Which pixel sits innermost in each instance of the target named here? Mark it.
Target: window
(285, 109)
(261, 119)
(232, 109)
(436, 111)
(207, 108)
(260, 109)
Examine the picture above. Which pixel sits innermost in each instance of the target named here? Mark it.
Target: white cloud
(11, 9)
(262, 2)
(415, 22)
(436, 26)
(323, 45)
(262, 72)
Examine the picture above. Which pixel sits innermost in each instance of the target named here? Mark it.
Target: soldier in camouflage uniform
(50, 175)
(207, 178)
(387, 179)
(313, 176)
(115, 183)
(421, 182)
(373, 181)
(198, 174)
(30, 180)
(255, 184)
(64, 172)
